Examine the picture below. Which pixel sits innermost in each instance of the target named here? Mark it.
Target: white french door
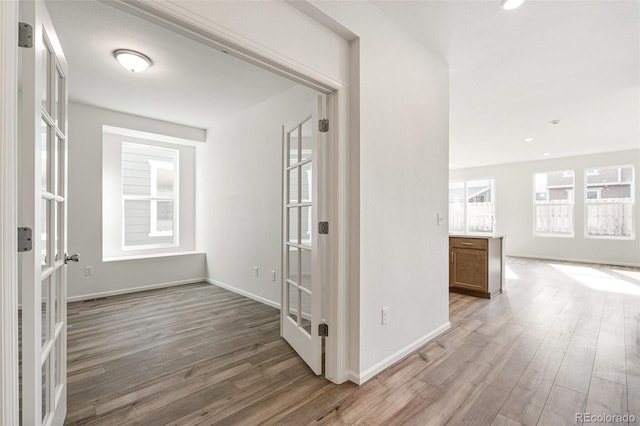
(44, 209)
(302, 251)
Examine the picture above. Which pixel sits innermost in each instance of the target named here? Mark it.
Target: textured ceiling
(512, 72)
(189, 83)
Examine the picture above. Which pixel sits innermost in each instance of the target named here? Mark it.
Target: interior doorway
(75, 99)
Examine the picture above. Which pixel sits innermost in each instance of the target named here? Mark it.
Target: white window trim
(175, 242)
(466, 231)
(632, 202)
(571, 203)
(155, 165)
(112, 217)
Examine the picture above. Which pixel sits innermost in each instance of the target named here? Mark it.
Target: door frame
(195, 27)
(8, 213)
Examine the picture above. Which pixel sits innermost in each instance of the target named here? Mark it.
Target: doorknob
(72, 258)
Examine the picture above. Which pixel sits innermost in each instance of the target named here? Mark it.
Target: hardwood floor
(551, 346)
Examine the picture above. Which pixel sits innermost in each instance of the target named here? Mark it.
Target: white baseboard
(133, 290)
(353, 376)
(568, 259)
(392, 359)
(244, 293)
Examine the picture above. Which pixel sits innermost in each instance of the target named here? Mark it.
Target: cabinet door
(469, 269)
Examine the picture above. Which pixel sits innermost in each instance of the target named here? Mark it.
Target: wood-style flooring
(563, 339)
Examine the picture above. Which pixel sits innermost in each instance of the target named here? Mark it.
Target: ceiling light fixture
(546, 154)
(132, 60)
(511, 4)
(528, 139)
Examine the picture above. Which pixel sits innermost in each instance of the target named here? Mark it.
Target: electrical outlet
(385, 315)
(255, 271)
(88, 271)
(273, 275)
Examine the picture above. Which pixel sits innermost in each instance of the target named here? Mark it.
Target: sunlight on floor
(633, 275)
(509, 274)
(599, 280)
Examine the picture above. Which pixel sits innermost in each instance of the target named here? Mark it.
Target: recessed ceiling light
(528, 139)
(132, 60)
(546, 154)
(511, 4)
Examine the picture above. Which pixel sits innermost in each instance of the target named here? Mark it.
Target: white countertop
(481, 236)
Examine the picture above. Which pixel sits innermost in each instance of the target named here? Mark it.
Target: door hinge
(25, 240)
(323, 227)
(323, 125)
(323, 330)
(25, 35)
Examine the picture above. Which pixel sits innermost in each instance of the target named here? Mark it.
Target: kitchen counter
(476, 265)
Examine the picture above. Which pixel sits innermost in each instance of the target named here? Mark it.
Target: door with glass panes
(44, 210)
(302, 250)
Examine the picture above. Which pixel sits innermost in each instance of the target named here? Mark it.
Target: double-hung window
(472, 207)
(149, 196)
(553, 203)
(609, 201)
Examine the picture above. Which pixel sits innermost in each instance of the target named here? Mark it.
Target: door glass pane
(293, 224)
(44, 249)
(292, 138)
(45, 389)
(305, 321)
(44, 310)
(306, 192)
(293, 302)
(57, 162)
(305, 266)
(57, 366)
(59, 93)
(59, 230)
(293, 186)
(44, 155)
(305, 223)
(44, 75)
(57, 306)
(307, 140)
(292, 260)
(54, 231)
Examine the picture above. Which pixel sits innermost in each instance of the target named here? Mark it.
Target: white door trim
(179, 19)
(8, 212)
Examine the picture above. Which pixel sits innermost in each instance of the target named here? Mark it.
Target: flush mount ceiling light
(511, 4)
(546, 154)
(132, 60)
(528, 139)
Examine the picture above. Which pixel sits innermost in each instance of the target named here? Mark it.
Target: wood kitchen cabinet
(476, 265)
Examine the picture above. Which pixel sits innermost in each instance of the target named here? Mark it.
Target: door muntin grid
(299, 210)
(53, 163)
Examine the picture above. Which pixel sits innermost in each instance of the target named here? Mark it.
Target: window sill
(554, 235)
(151, 256)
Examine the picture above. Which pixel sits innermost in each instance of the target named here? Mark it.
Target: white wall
(514, 209)
(404, 115)
(85, 209)
(240, 194)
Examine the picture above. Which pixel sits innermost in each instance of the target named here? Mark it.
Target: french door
(302, 251)
(44, 210)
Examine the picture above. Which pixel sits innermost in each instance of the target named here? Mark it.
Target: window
(609, 202)
(553, 203)
(149, 196)
(471, 207)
